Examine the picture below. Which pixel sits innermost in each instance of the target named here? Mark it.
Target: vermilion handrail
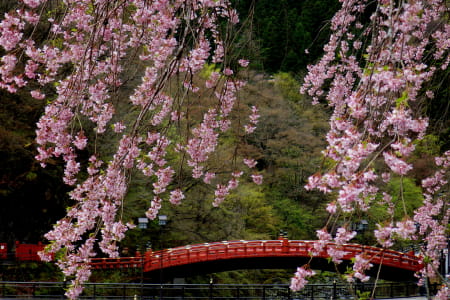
(245, 249)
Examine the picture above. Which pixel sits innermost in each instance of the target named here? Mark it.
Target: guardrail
(55, 290)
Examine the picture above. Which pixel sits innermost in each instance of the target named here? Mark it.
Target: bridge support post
(334, 290)
(161, 291)
(64, 289)
(285, 245)
(210, 289)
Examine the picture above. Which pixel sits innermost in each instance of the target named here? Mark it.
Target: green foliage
(289, 137)
(403, 100)
(287, 145)
(363, 295)
(406, 195)
(289, 88)
(283, 29)
(245, 214)
(429, 145)
(255, 214)
(32, 198)
(324, 277)
(31, 176)
(113, 276)
(298, 221)
(438, 108)
(207, 70)
(30, 271)
(272, 276)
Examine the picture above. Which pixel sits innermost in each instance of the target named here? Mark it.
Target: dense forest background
(273, 35)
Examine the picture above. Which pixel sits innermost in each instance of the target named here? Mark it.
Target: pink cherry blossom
(361, 265)
(32, 3)
(331, 207)
(384, 235)
(119, 127)
(299, 280)
(243, 62)
(176, 196)
(336, 254)
(36, 94)
(343, 236)
(228, 72)
(405, 229)
(208, 177)
(220, 194)
(232, 184)
(323, 238)
(253, 120)
(397, 165)
(80, 141)
(251, 163)
(257, 178)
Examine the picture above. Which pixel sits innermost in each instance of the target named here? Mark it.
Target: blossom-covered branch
(374, 74)
(82, 68)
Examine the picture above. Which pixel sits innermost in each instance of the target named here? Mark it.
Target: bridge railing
(211, 251)
(242, 249)
(56, 290)
(117, 263)
(386, 257)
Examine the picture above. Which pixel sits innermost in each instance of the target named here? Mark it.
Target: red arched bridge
(268, 254)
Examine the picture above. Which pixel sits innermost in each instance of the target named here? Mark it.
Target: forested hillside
(279, 39)
(274, 36)
(287, 142)
(279, 32)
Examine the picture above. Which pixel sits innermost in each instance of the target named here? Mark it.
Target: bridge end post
(284, 244)
(211, 289)
(147, 260)
(334, 290)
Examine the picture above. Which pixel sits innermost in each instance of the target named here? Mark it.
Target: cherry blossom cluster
(299, 280)
(81, 68)
(373, 75)
(361, 264)
(433, 219)
(325, 245)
